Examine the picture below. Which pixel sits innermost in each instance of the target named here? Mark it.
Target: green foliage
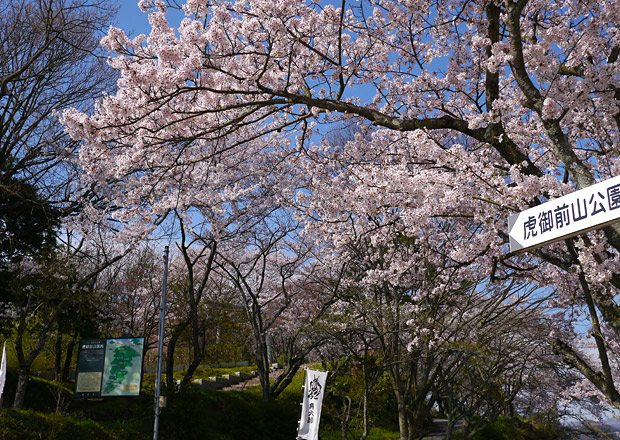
(29, 424)
(348, 383)
(190, 414)
(27, 221)
(231, 415)
(518, 429)
(41, 395)
(331, 433)
(227, 416)
(27, 228)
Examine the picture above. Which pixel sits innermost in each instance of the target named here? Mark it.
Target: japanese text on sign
(581, 211)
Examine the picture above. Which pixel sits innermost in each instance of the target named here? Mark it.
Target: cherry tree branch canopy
(532, 82)
(470, 110)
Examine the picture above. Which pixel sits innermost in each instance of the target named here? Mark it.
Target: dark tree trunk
(262, 364)
(172, 343)
(20, 392)
(58, 357)
(69, 357)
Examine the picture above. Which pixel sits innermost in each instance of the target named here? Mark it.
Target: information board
(109, 367)
(122, 370)
(91, 357)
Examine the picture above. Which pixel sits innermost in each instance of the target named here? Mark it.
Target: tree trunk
(69, 357)
(263, 374)
(262, 364)
(20, 393)
(401, 402)
(419, 417)
(176, 334)
(403, 418)
(365, 427)
(197, 347)
(344, 419)
(25, 362)
(449, 429)
(284, 379)
(191, 369)
(58, 357)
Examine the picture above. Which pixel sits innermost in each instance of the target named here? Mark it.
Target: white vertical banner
(2, 372)
(314, 388)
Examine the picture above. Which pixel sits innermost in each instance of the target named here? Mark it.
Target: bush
(41, 395)
(215, 415)
(506, 428)
(29, 424)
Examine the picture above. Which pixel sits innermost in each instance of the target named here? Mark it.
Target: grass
(514, 428)
(31, 424)
(191, 414)
(197, 414)
(376, 433)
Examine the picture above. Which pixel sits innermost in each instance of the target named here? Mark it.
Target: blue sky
(131, 19)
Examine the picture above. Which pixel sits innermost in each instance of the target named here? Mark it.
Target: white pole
(160, 345)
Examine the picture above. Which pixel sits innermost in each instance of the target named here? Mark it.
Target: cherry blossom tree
(192, 273)
(44, 290)
(470, 111)
(132, 289)
(275, 278)
(500, 350)
(432, 326)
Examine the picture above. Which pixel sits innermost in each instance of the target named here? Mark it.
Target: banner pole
(301, 409)
(160, 345)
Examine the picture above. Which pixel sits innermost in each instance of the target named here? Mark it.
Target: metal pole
(160, 345)
(268, 343)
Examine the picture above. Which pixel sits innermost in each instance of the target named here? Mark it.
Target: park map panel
(109, 367)
(122, 369)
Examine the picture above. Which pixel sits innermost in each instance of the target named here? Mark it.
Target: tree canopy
(460, 113)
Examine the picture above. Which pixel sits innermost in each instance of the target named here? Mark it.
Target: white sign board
(590, 208)
(314, 388)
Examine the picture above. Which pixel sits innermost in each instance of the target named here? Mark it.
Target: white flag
(314, 389)
(3, 370)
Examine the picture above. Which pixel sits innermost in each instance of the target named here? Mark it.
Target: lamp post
(160, 346)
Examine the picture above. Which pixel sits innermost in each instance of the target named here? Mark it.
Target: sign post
(159, 403)
(590, 208)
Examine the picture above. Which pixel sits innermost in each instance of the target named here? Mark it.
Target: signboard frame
(94, 366)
